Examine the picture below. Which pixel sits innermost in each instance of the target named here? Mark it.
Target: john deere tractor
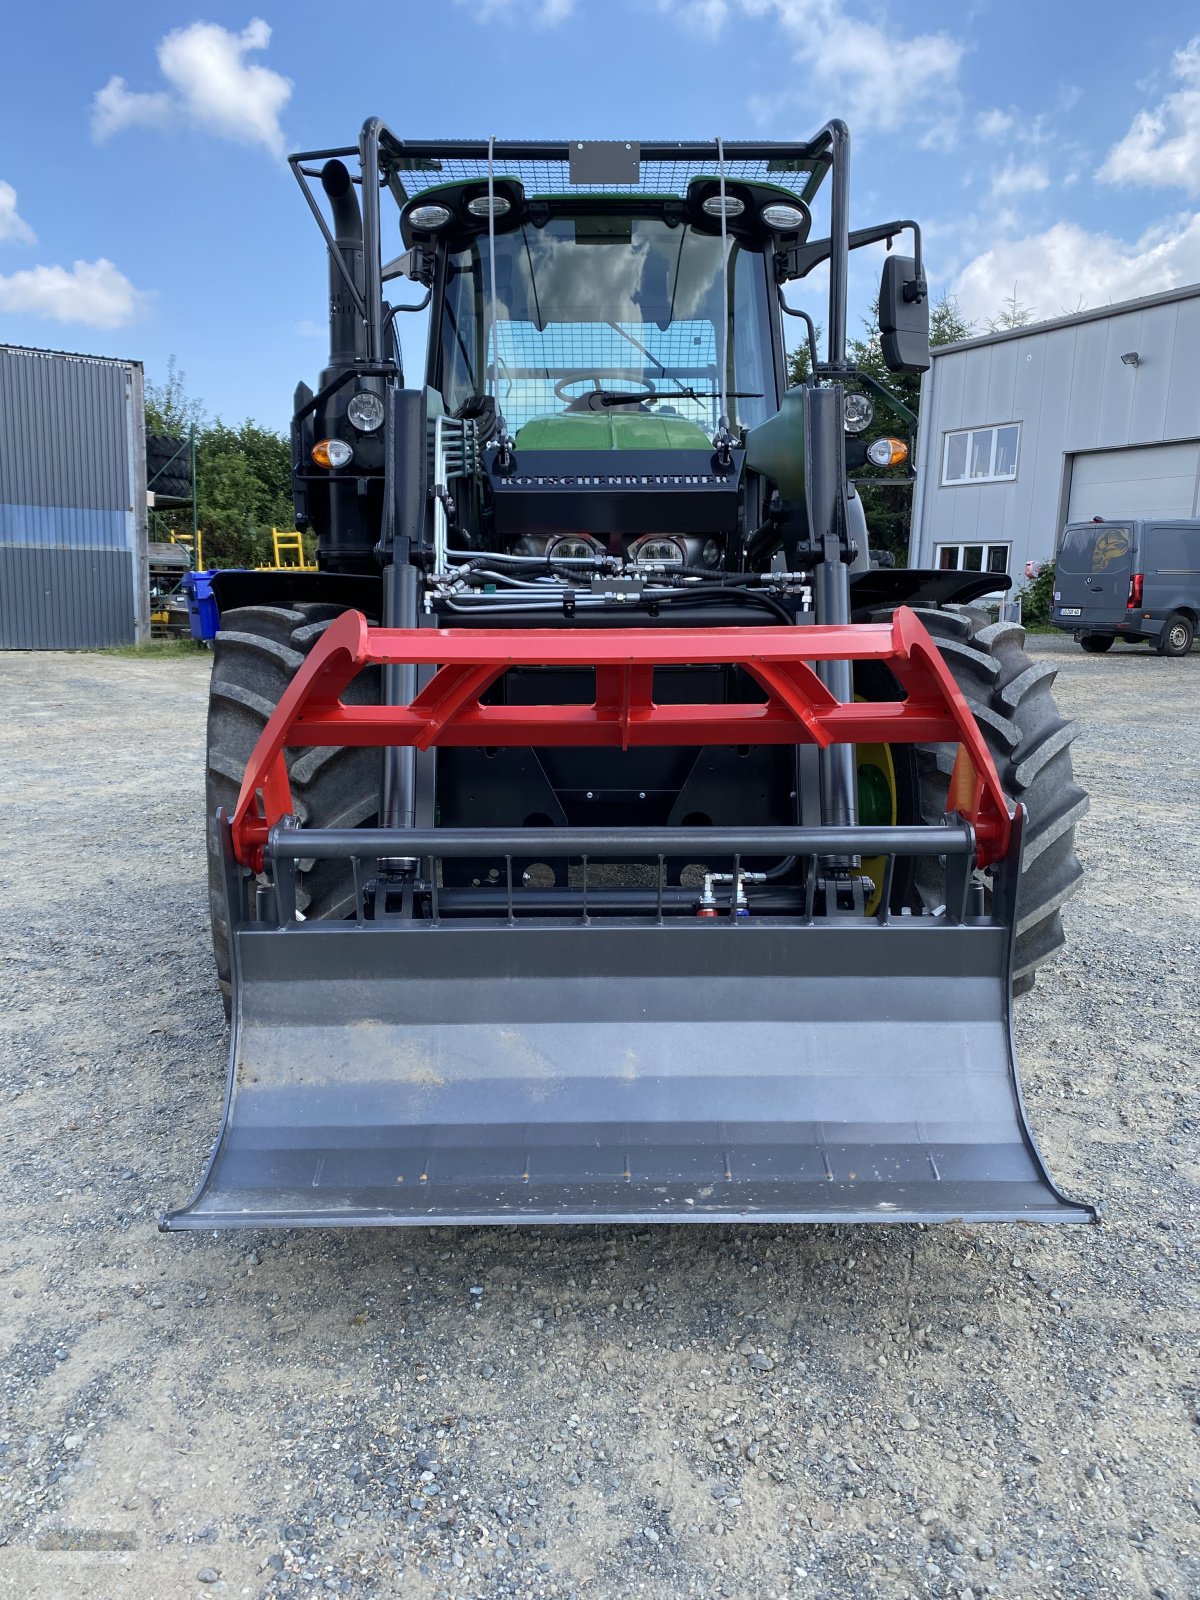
(600, 833)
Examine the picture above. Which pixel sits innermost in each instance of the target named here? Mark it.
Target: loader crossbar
(798, 708)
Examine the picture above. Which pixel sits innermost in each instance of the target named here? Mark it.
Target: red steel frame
(798, 708)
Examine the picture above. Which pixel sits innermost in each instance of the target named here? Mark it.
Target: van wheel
(1177, 635)
(1097, 643)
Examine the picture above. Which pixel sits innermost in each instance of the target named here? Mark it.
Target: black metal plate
(622, 1072)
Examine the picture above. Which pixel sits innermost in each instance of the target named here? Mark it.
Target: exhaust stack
(347, 332)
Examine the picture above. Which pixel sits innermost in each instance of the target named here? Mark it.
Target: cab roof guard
(663, 167)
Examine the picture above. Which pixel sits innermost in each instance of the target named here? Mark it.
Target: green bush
(1036, 597)
(243, 475)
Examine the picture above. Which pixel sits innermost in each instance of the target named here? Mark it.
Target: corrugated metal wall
(1071, 392)
(72, 501)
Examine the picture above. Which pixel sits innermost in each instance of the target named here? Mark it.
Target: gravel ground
(826, 1412)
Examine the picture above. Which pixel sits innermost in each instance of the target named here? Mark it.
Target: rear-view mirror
(904, 316)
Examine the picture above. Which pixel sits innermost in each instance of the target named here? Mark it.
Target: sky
(1049, 148)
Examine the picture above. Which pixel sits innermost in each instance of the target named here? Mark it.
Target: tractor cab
(608, 306)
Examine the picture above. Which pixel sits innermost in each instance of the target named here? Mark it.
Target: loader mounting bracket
(797, 707)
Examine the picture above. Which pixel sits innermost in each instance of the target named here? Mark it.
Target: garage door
(1157, 480)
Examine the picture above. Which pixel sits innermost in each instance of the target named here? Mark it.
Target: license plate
(1070, 611)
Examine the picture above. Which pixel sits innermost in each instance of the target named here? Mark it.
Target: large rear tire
(257, 653)
(1031, 746)
(1097, 643)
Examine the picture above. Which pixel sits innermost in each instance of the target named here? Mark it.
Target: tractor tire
(1097, 643)
(257, 653)
(1031, 746)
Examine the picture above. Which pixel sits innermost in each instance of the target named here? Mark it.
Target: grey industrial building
(73, 556)
(1091, 415)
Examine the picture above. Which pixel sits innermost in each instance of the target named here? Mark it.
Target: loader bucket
(623, 1070)
(636, 1060)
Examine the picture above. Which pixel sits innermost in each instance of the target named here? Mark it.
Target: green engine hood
(615, 429)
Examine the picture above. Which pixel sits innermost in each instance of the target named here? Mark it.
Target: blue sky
(146, 209)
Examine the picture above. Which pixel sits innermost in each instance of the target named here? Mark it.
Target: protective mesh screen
(539, 177)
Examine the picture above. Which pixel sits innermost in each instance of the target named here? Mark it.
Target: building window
(973, 557)
(981, 455)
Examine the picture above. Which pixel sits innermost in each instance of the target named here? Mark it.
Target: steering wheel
(566, 382)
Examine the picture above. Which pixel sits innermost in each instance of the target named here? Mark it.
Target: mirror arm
(800, 260)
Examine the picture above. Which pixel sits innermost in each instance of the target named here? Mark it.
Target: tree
(243, 475)
(947, 325)
(243, 490)
(889, 509)
(169, 409)
(1012, 314)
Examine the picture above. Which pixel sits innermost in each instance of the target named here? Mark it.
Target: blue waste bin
(202, 605)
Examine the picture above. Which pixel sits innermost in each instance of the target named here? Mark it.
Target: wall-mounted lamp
(1131, 359)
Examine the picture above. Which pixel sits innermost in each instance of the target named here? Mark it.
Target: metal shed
(1092, 414)
(72, 501)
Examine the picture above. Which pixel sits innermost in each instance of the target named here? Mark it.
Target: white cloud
(993, 124)
(1066, 266)
(212, 86)
(115, 108)
(92, 292)
(1162, 147)
(12, 224)
(545, 14)
(708, 16)
(872, 77)
(1013, 180)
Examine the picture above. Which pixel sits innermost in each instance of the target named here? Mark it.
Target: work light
(783, 218)
(479, 206)
(426, 218)
(733, 206)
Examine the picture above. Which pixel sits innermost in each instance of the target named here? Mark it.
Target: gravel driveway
(592, 1412)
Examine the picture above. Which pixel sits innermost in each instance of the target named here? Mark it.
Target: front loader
(599, 833)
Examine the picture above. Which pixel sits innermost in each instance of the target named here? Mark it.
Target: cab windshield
(607, 311)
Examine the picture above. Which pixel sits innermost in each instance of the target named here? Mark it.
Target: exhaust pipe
(347, 332)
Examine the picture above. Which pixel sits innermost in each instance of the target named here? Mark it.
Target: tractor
(598, 832)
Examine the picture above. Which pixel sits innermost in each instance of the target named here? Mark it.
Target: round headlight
(365, 411)
(733, 206)
(858, 412)
(573, 547)
(479, 206)
(428, 217)
(887, 452)
(784, 219)
(656, 550)
(332, 453)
